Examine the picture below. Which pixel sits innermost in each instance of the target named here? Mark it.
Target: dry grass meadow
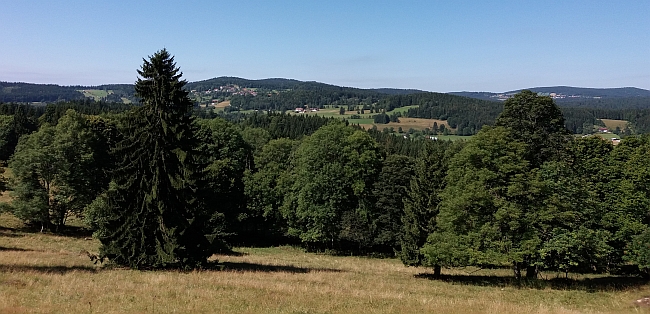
(45, 273)
(222, 104)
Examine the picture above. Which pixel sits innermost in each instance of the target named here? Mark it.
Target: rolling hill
(566, 96)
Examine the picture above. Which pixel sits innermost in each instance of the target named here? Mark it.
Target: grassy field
(416, 123)
(366, 121)
(222, 104)
(96, 94)
(403, 109)
(612, 124)
(45, 273)
(607, 136)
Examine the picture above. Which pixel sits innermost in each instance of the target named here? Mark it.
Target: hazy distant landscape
(581, 106)
(325, 157)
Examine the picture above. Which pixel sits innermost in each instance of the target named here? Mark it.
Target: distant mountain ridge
(565, 93)
(282, 83)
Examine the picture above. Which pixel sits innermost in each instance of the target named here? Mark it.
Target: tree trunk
(516, 268)
(531, 271)
(436, 270)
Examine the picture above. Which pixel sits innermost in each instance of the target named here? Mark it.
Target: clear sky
(430, 45)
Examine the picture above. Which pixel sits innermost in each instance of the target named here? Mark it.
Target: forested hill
(467, 112)
(50, 93)
(566, 96)
(279, 84)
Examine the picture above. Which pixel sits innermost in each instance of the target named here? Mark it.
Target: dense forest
(467, 112)
(162, 188)
(50, 93)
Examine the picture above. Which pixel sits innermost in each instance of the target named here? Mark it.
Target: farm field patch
(612, 124)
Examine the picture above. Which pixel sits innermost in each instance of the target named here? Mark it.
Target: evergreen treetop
(155, 213)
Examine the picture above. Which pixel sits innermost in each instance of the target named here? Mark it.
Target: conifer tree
(155, 215)
(422, 200)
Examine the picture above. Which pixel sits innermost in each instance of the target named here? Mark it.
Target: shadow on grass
(229, 252)
(74, 232)
(610, 283)
(251, 267)
(14, 249)
(2, 228)
(11, 234)
(46, 269)
(66, 231)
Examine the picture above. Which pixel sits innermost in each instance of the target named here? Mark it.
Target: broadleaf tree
(56, 172)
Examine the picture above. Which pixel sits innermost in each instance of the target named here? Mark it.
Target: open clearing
(366, 120)
(45, 273)
(612, 124)
(96, 94)
(222, 104)
(408, 123)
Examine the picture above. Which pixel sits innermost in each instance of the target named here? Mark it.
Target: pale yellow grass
(41, 273)
(5, 197)
(223, 104)
(612, 124)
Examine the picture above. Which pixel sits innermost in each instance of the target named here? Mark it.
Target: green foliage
(488, 204)
(156, 216)
(578, 250)
(56, 172)
(389, 190)
(330, 200)
(227, 156)
(266, 188)
(522, 194)
(281, 125)
(6, 136)
(256, 137)
(422, 199)
(639, 250)
(537, 122)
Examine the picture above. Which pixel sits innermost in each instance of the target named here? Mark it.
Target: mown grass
(45, 273)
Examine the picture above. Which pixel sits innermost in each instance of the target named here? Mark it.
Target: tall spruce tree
(155, 212)
(422, 200)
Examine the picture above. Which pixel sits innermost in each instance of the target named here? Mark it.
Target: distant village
(502, 97)
(231, 89)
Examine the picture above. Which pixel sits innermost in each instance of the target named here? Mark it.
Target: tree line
(162, 188)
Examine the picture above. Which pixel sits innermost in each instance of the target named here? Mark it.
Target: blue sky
(430, 45)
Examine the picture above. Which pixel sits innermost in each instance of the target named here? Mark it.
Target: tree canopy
(155, 215)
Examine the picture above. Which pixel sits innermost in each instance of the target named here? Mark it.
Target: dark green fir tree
(155, 215)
